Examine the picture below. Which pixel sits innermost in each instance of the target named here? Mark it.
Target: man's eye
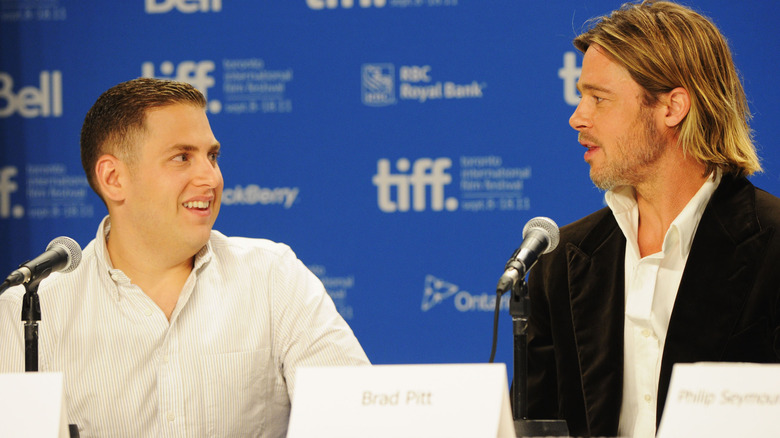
(181, 157)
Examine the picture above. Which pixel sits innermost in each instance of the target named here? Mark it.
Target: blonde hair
(663, 46)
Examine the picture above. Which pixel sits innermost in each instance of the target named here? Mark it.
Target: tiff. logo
(7, 187)
(570, 73)
(198, 74)
(411, 188)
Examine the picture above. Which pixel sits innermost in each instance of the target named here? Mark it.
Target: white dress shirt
(248, 316)
(651, 284)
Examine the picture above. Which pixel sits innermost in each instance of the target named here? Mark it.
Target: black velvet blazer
(726, 307)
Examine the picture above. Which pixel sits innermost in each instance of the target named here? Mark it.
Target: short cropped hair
(663, 46)
(116, 120)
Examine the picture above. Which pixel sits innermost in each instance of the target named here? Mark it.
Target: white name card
(469, 401)
(31, 405)
(722, 400)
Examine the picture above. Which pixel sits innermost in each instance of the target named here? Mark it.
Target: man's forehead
(600, 72)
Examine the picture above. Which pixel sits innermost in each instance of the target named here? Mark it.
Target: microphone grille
(71, 247)
(548, 227)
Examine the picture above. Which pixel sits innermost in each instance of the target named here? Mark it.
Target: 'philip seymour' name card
(722, 400)
(469, 401)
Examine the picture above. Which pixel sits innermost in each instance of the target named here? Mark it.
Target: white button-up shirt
(651, 284)
(248, 316)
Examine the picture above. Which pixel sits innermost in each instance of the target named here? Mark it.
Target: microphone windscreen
(547, 226)
(71, 247)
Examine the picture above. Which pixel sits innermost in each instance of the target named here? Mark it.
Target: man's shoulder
(241, 247)
(739, 194)
(767, 206)
(579, 229)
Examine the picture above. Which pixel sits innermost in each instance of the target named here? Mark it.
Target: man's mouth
(199, 205)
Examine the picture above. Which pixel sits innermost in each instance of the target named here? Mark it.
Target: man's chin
(602, 183)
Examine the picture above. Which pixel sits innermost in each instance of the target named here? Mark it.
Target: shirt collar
(622, 202)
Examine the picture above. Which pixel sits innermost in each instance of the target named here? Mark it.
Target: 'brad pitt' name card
(722, 400)
(469, 401)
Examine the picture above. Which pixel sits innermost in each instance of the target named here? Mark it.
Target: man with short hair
(167, 327)
(681, 265)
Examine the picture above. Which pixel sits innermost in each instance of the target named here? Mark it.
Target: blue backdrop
(399, 146)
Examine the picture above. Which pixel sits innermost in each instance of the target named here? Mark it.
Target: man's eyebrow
(184, 147)
(592, 87)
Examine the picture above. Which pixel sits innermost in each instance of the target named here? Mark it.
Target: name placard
(722, 400)
(453, 400)
(31, 404)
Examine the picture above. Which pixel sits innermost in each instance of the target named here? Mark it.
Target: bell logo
(346, 4)
(413, 186)
(183, 6)
(8, 186)
(195, 73)
(30, 102)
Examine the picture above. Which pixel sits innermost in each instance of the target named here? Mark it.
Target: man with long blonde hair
(680, 267)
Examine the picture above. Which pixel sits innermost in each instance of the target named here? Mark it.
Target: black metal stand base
(541, 428)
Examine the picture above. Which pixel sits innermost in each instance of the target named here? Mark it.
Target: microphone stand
(31, 316)
(519, 310)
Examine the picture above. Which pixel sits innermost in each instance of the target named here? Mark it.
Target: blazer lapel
(596, 285)
(719, 273)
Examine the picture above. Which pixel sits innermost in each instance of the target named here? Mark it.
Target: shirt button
(165, 358)
(148, 312)
(648, 398)
(646, 333)
(171, 417)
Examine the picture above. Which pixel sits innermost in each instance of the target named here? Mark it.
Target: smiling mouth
(198, 205)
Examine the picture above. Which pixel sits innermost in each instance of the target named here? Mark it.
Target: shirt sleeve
(11, 331)
(308, 330)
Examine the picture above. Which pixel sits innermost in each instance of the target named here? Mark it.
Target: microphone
(540, 236)
(62, 254)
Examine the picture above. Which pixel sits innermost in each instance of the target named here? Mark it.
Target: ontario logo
(437, 291)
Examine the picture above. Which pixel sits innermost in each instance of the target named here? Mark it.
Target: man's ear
(678, 103)
(109, 175)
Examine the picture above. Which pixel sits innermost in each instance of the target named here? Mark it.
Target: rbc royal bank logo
(197, 74)
(346, 4)
(183, 6)
(412, 188)
(378, 84)
(7, 187)
(45, 100)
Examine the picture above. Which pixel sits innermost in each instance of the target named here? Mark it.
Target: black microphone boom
(540, 236)
(62, 254)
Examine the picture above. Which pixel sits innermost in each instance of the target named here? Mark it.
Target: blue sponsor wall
(399, 146)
